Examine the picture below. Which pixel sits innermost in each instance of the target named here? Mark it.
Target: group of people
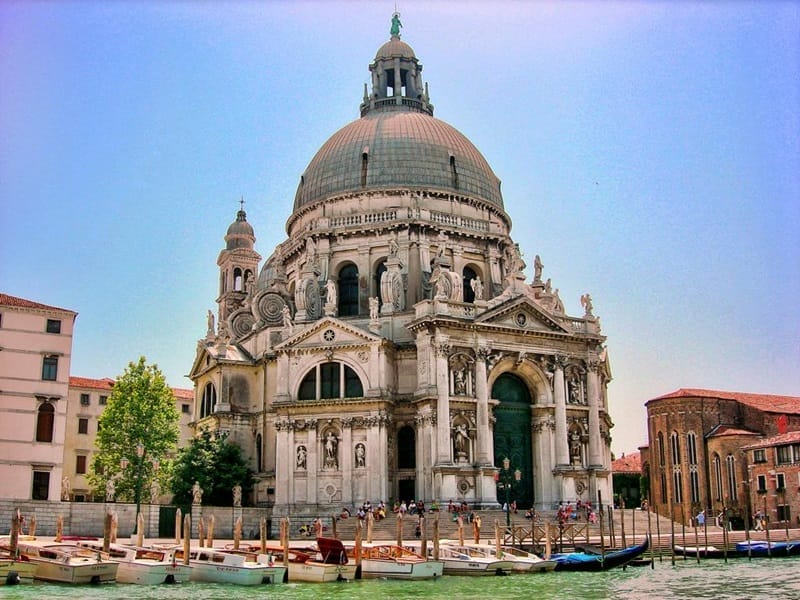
(378, 512)
(567, 512)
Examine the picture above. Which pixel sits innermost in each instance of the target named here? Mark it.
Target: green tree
(217, 465)
(136, 434)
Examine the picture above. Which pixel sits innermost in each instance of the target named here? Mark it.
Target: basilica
(391, 347)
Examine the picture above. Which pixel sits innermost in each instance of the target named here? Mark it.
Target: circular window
(329, 335)
(521, 319)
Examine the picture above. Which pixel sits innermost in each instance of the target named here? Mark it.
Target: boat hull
(477, 568)
(577, 561)
(320, 572)
(47, 570)
(13, 572)
(210, 573)
(390, 569)
(153, 574)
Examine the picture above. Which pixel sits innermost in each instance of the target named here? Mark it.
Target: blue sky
(649, 153)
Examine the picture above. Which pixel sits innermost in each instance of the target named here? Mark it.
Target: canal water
(740, 579)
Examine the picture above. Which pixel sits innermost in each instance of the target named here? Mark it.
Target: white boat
(312, 565)
(463, 560)
(15, 569)
(524, 562)
(390, 561)
(145, 566)
(275, 573)
(68, 562)
(211, 565)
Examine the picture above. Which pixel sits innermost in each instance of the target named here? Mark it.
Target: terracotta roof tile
(764, 402)
(95, 384)
(630, 463)
(723, 430)
(7, 300)
(792, 437)
(108, 384)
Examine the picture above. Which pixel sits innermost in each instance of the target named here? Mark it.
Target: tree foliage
(217, 465)
(140, 410)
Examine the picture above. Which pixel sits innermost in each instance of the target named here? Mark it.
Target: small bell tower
(238, 266)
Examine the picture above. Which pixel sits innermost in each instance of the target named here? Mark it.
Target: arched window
(677, 484)
(469, 293)
(675, 448)
(259, 464)
(406, 448)
(209, 403)
(237, 279)
(691, 447)
(717, 477)
(45, 421)
(336, 380)
(348, 291)
(662, 457)
(248, 280)
(730, 462)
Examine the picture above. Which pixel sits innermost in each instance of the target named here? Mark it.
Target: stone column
(593, 392)
(346, 463)
(484, 435)
(313, 464)
(560, 397)
(382, 467)
(443, 450)
(283, 452)
(373, 474)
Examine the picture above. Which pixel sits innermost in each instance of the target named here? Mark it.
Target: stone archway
(512, 435)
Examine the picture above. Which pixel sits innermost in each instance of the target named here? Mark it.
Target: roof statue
(396, 25)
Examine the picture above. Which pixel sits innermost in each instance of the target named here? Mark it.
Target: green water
(776, 579)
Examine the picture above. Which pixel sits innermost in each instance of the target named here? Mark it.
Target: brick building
(695, 459)
(774, 475)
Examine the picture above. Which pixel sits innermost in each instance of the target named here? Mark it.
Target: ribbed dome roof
(405, 149)
(240, 233)
(394, 47)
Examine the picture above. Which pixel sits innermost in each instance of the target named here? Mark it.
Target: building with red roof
(701, 447)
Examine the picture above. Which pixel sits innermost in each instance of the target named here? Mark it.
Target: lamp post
(506, 479)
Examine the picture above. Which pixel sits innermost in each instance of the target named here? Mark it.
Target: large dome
(398, 149)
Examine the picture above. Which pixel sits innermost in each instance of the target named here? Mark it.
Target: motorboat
(524, 561)
(390, 561)
(15, 569)
(212, 565)
(275, 573)
(465, 560)
(585, 561)
(324, 563)
(145, 566)
(67, 562)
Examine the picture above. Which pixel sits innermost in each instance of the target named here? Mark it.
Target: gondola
(582, 561)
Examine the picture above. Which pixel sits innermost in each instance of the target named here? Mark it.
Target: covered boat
(464, 560)
(215, 566)
(390, 561)
(68, 562)
(144, 566)
(582, 561)
(310, 565)
(774, 549)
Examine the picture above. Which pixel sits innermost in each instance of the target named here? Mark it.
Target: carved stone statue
(575, 447)
(537, 268)
(210, 323)
(331, 451)
(374, 307)
(287, 317)
(461, 441)
(331, 295)
(65, 489)
(361, 455)
(586, 302)
(393, 245)
(110, 490)
(237, 495)
(197, 493)
(460, 381)
(477, 287)
(302, 453)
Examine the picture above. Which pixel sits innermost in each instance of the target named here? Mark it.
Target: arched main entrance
(512, 435)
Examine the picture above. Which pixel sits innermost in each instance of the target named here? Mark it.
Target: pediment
(210, 352)
(328, 332)
(521, 313)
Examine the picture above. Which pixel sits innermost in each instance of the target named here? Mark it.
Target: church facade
(391, 348)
